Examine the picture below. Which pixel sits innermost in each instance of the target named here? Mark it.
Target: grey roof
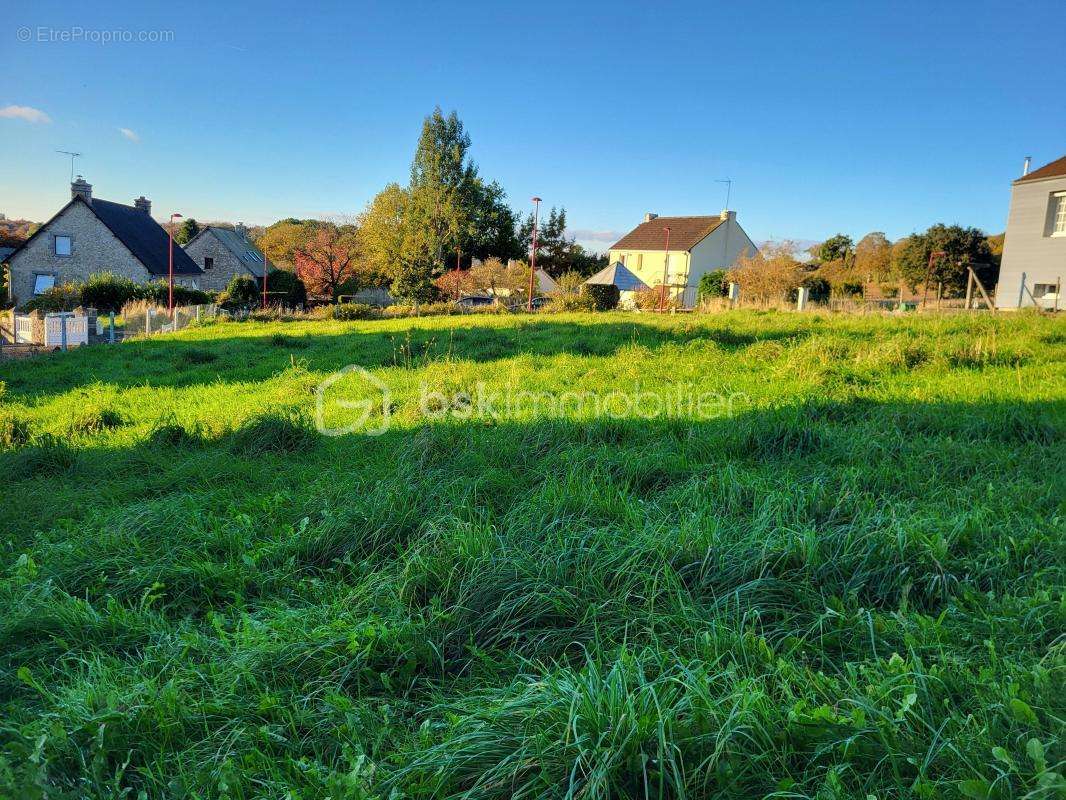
(142, 236)
(619, 275)
(250, 256)
(5, 252)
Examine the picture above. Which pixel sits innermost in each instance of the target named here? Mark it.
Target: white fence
(23, 329)
(141, 320)
(65, 330)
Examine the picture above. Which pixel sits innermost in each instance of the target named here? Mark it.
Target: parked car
(475, 301)
(522, 305)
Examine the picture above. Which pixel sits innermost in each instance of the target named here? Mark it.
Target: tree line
(447, 217)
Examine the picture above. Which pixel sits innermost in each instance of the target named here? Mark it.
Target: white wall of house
(720, 250)
(1032, 246)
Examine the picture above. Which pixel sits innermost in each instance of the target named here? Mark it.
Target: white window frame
(36, 280)
(1058, 214)
(70, 245)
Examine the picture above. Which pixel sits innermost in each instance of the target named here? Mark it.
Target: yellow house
(697, 245)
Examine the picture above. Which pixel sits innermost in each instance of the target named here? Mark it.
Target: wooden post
(939, 293)
(111, 328)
(969, 287)
(1021, 291)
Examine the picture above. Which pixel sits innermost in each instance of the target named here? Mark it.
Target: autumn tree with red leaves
(326, 259)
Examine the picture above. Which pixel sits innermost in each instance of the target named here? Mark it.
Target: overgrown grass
(839, 574)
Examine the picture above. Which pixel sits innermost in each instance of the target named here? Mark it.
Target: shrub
(158, 292)
(292, 289)
(346, 311)
(651, 299)
(569, 302)
(713, 284)
(107, 292)
(242, 292)
(65, 297)
(605, 296)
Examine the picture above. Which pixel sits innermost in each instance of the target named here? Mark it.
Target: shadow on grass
(181, 363)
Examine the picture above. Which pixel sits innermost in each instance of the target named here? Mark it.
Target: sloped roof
(545, 282)
(144, 237)
(5, 252)
(685, 233)
(138, 232)
(1053, 170)
(619, 275)
(250, 256)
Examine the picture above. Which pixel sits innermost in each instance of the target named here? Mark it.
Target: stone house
(223, 253)
(1033, 267)
(90, 235)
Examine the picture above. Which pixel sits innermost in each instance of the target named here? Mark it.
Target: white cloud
(586, 235)
(133, 137)
(25, 113)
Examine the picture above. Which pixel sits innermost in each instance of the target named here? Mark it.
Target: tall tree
(280, 241)
(494, 225)
(961, 248)
(443, 180)
(187, 231)
(836, 248)
(382, 230)
(873, 258)
(327, 259)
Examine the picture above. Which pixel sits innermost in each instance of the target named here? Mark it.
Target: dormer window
(63, 245)
(209, 263)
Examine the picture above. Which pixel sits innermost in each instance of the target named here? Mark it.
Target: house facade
(223, 253)
(90, 235)
(697, 245)
(1033, 267)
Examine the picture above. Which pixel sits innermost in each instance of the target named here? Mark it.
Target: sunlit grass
(840, 576)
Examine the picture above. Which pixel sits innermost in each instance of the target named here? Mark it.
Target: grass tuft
(274, 433)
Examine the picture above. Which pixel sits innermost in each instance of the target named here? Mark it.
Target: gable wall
(94, 249)
(720, 250)
(226, 264)
(1029, 247)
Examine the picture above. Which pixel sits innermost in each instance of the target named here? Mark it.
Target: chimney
(81, 188)
(726, 214)
(1025, 167)
(649, 217)
(241, 230)
(142, 203)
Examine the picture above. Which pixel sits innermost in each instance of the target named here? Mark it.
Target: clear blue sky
(828, 116)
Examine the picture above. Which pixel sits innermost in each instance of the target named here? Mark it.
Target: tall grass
(845, 582)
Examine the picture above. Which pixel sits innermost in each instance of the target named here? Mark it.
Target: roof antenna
(72, 157)
(728, 189)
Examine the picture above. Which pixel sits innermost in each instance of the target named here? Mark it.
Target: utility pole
(533, 254)
(170, 270)
(666, 271)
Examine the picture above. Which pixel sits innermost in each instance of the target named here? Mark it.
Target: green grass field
(837, 573)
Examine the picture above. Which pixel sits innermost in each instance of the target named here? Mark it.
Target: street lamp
(170, 271)
(533, 255)
(666, 271)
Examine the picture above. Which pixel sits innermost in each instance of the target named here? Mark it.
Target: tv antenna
(72, 155)
(728, 189)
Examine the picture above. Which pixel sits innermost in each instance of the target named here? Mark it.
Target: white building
(698, 245)
(1034, 250)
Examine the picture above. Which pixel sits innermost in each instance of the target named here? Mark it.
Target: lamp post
(533, 254)
(170, 271)
(666, 271)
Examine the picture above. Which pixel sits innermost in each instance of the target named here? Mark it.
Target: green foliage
(187, 231)
(14, 430)
(713, 284)
(158, 293)
(836, 248)
(63, 297)
(242, 292)
(108, 292)
(571, 303)
(414, 283)
(962, 248)
(293, 291)
(835, 574)
(604, 296)
(346, 311)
